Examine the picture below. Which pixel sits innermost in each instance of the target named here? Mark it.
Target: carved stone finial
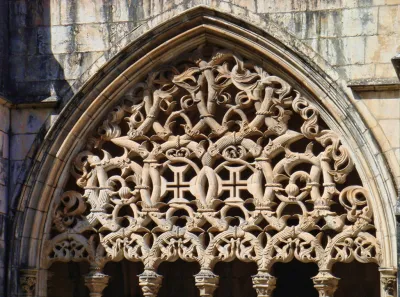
(150, 282)
(96, 281)
(27, 281)
(264, 283)
(207, 282)
(325, 283)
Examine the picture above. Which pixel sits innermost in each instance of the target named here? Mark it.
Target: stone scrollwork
(213, 159)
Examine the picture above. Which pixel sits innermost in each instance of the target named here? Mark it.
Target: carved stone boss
(215, 159)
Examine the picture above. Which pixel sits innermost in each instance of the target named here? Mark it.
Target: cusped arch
(85, 112)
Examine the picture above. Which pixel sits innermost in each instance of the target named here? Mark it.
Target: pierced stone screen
(212, 159)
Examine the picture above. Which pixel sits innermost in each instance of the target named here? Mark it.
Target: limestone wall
(53, 42)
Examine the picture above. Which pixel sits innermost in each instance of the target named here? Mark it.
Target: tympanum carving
(214, 159)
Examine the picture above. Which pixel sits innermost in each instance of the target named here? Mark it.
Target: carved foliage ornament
(209, 160)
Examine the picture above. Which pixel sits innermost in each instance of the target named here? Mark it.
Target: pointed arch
(83, 114)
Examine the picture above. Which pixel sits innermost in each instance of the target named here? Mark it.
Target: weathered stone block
(360, 21)
(383, 105)
(4, 118)
(303, 25)
(4, 172)
(381, 49)
(355, 72)
(91, 37)
(119, 30)
(354, 50)
(280, 6)
(391, 129)
(343, 51)
(18, 13)
(17, 68)
(20, 145)
(123, 11)
(94, 11)
(23, 41)
(4, 145)
(389, 20)
(55, 12)
(61, 40)
(28, 120)
(328, 18)
(3, 199)
(67, 11)
(75, 64)
(43, 67)
(324, 5)
(385, 70)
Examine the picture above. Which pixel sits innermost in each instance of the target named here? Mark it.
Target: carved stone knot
(264, 283)
(27, 281)
(207, 282)
(325, 283)
(150, 282)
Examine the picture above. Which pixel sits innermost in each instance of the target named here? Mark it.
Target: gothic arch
(46, 183)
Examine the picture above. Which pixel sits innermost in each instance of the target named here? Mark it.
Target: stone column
(388, 281)
(49, 283)
(27, 282)
(150, 282)
(96, 281)
(325, 283)
(264, 284)
(207, 282)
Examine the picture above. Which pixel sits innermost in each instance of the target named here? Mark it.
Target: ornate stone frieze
(213, 159)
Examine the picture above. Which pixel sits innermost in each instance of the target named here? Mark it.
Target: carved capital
(325, 283)
(150, 282)
(96, 281)
(264, 284)
(207, 282)
(389, 285)
(27, 281)
(389, 281)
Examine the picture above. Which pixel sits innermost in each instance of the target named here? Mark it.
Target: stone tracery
(209, 160)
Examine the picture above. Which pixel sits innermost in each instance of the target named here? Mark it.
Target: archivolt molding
(211, 159)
